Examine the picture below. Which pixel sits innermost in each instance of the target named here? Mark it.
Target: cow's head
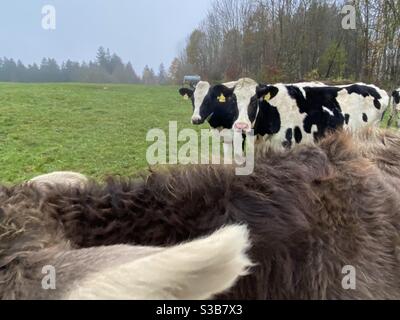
(198, 95)
(265, 93)
(245, 93)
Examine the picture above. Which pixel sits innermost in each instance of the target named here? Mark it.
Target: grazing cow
(32, 245)
(288, 115)
(313, 213)
(71, 179)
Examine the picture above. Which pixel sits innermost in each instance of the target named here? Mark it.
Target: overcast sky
(141, 31)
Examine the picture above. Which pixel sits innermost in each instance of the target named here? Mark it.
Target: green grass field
(98, 130)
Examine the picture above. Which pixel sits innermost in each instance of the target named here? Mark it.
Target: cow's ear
(266, 92)
(396, 96)
(222, 93)
(186, 92)
(196, 270)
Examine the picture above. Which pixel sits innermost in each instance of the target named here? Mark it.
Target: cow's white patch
(194, 271)
(199, 95)
(328, 111)
(245, 90)
(311, 84)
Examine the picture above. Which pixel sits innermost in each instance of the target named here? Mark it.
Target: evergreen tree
(149, 76)
(162, 75)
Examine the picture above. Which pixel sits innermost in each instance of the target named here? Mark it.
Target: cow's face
(245, 94)
(198, 97)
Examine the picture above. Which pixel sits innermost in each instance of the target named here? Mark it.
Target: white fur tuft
(71, 179)
(196, 270)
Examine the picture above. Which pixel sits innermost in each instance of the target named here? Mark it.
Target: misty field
(97, 130)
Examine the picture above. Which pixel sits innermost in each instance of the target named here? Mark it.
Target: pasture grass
(96, 129)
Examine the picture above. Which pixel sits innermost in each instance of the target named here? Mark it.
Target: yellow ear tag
(267, 97)
(222, 98)
(185, 97)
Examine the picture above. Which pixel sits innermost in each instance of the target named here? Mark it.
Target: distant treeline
(288, 40)
(107, 68)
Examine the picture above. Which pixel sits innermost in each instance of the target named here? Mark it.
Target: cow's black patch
(347, 118)
(377, 104)
(289, 137)
(268, 119)
(366, 91)
(365, 117)
(253, 108)
(396, 97)
(298, 136)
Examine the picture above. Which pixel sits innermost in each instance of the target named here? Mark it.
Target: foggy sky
(140, 31)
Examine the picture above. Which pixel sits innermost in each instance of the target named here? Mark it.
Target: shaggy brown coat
(311, 212)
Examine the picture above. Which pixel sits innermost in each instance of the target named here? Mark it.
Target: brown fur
(311, 212)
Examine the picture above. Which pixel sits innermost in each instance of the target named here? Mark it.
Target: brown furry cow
(311, 212)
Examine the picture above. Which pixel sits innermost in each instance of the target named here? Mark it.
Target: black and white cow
(218, 106)
(363, 105)
(246, 94)
(209, 103)
(287, 115)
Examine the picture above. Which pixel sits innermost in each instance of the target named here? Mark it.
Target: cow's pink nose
(241, 126)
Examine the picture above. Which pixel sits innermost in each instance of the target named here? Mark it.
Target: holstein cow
(33, 246)
(363, 105)
(288, 115)
(313, 213)
(227, 104)
(246, 95)
(216, 105)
